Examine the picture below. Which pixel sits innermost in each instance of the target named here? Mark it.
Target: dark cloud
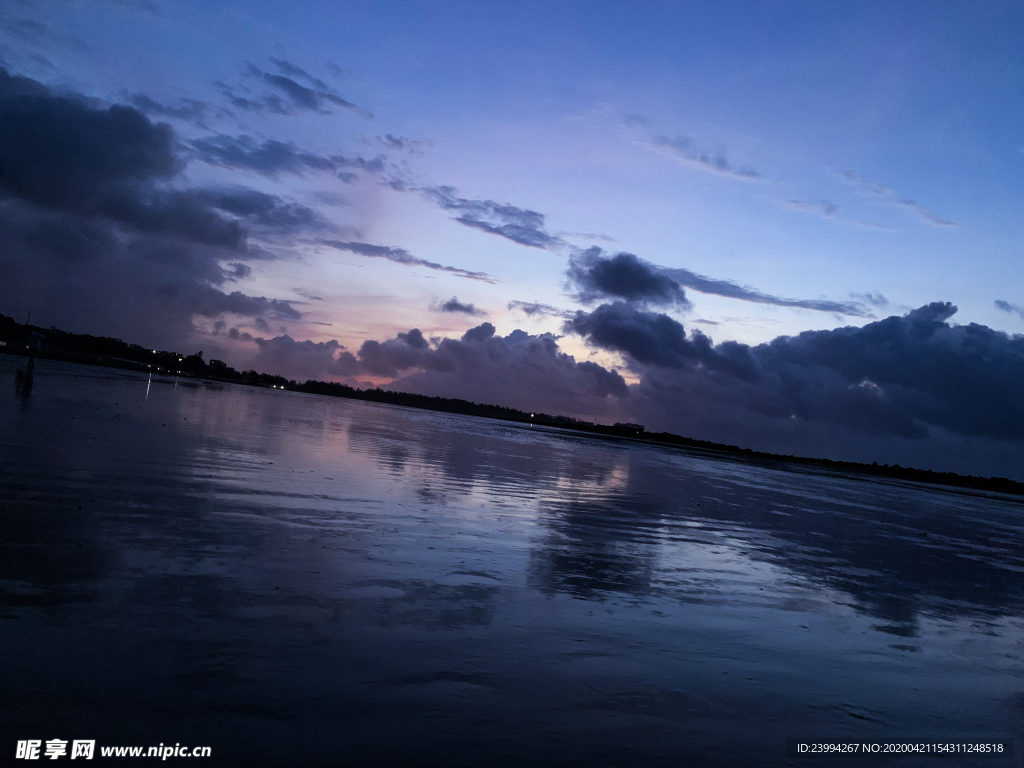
(902, 376)
(732, 290)
(520, 225)
(628, 277)
(96, 234)
(1013, 309)
(303, 98)
(402, 256)
(286, 67)
(212, 302)
(518, 370)
(234, 333)
(271, 157)
(263, 211)
(57, 148)
(454, 305)
(299, 360)
(622, 276)
(889, 195)
(870, 393)
(649, 338)
(533, 309)
(283, 95)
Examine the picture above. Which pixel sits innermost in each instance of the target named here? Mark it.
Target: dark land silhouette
(54, 344)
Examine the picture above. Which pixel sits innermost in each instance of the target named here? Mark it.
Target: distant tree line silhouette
(106, 351)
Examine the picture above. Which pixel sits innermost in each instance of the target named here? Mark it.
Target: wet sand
(300, 580)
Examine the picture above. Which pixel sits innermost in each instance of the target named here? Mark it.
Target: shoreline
(790, 463)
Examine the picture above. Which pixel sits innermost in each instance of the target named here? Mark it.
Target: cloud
(299, 360)
(97, 233)
(732, 290)
(400, 143)
(211, 303)
(626, 276)
(874, 299)
(681, 148)
(824, 208)
(518, 370)
(237, 271)
(586, 236)
(527, 227)
(188, 110)
(454, 305)
(292, 70)
(520, 225)
(904, 388)
(234, 333)
(623, 276)
(1013, 309)
(402, 256)
(684, 150)
(533, 309)
(263, 211)
(900, 377)
(648, 338)
(38, 35)
(889, 195)
(283, 95)
(869, 225)
(272, 158)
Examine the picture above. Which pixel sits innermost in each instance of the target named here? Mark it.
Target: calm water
(298, 580)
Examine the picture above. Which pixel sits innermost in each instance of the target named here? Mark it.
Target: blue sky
(867, 155)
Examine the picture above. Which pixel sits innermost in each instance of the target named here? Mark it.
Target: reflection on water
(23, 382)
(290, 578)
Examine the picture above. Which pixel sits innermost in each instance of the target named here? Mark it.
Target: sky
(791, 226)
